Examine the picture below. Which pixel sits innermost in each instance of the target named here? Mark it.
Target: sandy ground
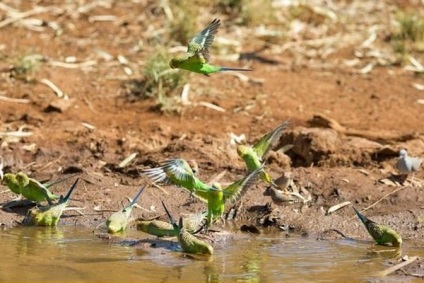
(347, 124)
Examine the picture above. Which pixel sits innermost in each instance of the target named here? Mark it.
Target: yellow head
(22, 179)
(9, 178)
(242, 150)
(217, 186)
(193, 165)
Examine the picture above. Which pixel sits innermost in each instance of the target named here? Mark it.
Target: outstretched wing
(239, 187)
(200, 44)
(173, 171)
(270, 140)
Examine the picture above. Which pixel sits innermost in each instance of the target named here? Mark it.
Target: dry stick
(51, 85)
(73, 65)
(50, 163)
(20, 16)
(385, 196)
(389, 270)
(15, 100)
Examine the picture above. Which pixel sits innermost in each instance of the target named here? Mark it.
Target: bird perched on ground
(188, 242)
(255, 155)
(49, 215)
(382, 234)
(217, 197)
(407, 164)
(30, 188)
(118, 221)
(159, 228)
(177, 172)
(196, 59)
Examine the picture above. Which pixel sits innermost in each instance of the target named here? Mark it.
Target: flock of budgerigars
(182, 173)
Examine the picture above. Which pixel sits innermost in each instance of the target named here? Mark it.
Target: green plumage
(177, 172)
(49, 215)
(118, 221)
(218, 197)
(188, 242)
(382, 234)
(255, 155)
(197, 56)
(164, 229)
(30, 188)
(157, 228)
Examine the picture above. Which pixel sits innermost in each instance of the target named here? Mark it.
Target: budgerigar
(159, 228)
(177, 172)
(118, 221)
(382, 234)
(196, 59)
(188, 242)
(255, 155)
(218, 197)
(30, 188)
(49, 215)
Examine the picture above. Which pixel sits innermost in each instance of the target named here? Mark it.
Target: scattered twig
(385, 196)
(14, 100)
(18, 134)
(72, 65)
(337, 207)
(127, 160)
(56, 90)
(184, 95)
(217, 177)
(88, 126)
(19, 16)
(160, 188)
(392, 269)
(211, 106)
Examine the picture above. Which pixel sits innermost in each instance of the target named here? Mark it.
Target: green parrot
(197, 56)
(118, 221)
(382, 234)
(188, 242)
(177, 172)
(217, 197)
(30, 188)
(159, 228)
(255, 155)
(49, 215)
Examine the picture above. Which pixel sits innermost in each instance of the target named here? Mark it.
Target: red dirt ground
(378, 114)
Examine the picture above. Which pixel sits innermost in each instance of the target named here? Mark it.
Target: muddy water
(77, 255)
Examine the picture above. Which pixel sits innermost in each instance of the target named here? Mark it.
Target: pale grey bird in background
(407, 164)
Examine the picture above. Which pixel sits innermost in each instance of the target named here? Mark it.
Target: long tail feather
(68, 195)
(235, 69)
(361, 217)
(137, 196)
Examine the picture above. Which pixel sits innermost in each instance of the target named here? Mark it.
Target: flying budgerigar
(177, 172)
(118, 221)
(188, 242)
(255, 155)
(49, 215)
(196, 59)
(30, 188)
(217, 197)
(382, 234)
